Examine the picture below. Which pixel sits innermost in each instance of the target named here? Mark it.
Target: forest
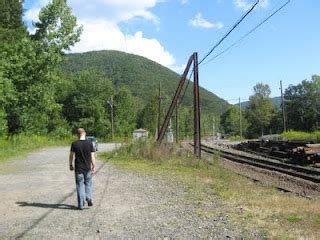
(45, 90)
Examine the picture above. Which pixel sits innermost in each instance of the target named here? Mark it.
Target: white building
(140, 133)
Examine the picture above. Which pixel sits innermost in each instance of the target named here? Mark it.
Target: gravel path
(38, 201)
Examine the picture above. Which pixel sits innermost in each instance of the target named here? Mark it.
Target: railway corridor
(38, 201)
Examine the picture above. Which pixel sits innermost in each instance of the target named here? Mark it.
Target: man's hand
(93, 170)
(71, 167)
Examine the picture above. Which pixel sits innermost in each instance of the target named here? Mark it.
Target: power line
(232, 28)
(248, 33)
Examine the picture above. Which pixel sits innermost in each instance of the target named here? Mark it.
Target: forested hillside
(44, 91)
(140, 75)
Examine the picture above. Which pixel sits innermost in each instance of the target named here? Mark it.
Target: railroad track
(309, 174)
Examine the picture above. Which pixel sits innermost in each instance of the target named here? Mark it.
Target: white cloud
(245, 5)
(103, 35)
(183, 2)
(114, 10)
(199, 22)
(101, 31)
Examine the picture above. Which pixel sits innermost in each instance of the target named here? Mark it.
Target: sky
(286, 48)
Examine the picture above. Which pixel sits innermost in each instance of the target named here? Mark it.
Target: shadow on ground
(47, 205)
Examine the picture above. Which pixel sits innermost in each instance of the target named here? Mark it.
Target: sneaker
(89, 201)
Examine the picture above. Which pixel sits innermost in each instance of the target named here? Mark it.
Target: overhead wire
(248, 33)
(231, 30)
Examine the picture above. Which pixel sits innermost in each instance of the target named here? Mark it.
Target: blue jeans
(84, 187)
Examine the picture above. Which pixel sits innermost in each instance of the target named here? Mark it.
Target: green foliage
(297, 135)
(260, 109)
(141, 76)
(148, 117)
(230, 122)
(11, 14)
(186, 122)
(86, 103)
(3, 123)
(11, 25)
(27, 67)
(57, 28)
(125, 112)
(17, 145)
(303, 105)
(294, 218)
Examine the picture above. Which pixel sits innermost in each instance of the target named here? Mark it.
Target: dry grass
(277, 215)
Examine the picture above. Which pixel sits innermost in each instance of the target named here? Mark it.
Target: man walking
(83, 152)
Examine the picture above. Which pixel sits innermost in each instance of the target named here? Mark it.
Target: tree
(147, 118)
(86, 105)
(29, 66)
(11, 14)
(260, 111)
(230, 122)
(124, 112)
(57, 28)
(303, 105)
(11, 24)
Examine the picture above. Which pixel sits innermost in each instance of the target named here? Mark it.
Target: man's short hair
(81, 131)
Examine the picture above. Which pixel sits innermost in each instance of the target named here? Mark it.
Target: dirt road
(38, 201)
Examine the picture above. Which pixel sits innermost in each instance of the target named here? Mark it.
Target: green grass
(296, 135)
(19, 145)
(276, 215)
(294, 219)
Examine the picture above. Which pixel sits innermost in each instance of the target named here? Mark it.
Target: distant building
(140, 133)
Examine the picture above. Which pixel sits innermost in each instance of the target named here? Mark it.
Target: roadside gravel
(38, 201)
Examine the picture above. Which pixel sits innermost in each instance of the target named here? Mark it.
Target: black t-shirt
(82, 150)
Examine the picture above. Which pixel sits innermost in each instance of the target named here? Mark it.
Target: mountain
(141, 76)
(276, 101)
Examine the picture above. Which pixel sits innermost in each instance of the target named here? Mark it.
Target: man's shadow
(47, 205)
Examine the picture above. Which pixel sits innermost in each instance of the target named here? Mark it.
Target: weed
(294, 218)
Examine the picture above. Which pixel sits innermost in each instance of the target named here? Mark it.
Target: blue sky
(286, 48)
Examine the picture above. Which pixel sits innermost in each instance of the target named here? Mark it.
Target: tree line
(37, 97)
(301, 111)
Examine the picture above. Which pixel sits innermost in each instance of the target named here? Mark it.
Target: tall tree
(260, 108)
(124, 112)
(11, 24)
(57, 28)
(30, 64)
(86, 105)
(303, 104)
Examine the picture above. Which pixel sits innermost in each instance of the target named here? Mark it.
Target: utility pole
(159, 108)
(160, 98)
(177, 122)
(283, 109)
(240, 115)
(197, 131)
(213, 125)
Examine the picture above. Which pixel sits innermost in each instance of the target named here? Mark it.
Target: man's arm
(71, 157)
(93, 160)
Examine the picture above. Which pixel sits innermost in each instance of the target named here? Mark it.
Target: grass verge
(19, 145)
(276, 215)
(296, 135)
